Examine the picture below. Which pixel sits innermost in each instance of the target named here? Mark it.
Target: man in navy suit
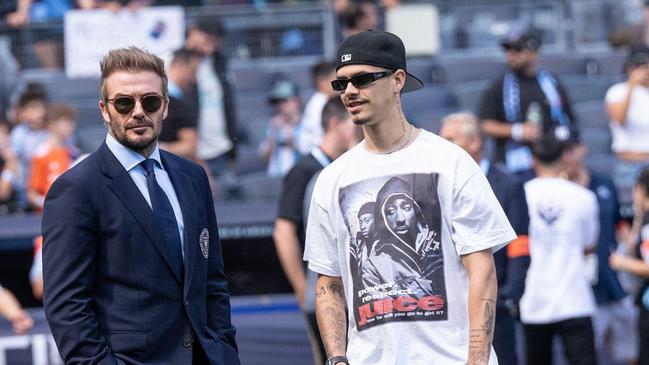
(463, 129)
(132, 263)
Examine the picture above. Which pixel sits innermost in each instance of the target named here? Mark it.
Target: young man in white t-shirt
(564, 225)
(425, 293)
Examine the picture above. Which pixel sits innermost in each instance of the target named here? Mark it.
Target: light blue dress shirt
(131, 162)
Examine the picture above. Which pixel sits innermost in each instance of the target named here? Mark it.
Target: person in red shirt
(53, 157)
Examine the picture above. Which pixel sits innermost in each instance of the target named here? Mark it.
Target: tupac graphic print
(396, 257)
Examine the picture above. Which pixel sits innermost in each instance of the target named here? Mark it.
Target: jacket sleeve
(69, 253)
(218, 296)
(518, 214)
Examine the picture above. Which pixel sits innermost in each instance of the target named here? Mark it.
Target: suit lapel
(187, 200)
(126, 190)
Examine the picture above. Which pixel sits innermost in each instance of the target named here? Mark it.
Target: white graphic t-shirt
(564, 220)
(394, 227)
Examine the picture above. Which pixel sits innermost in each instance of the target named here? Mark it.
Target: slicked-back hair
(131, 59)
(334, 108)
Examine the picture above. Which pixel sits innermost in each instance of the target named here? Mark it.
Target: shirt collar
(127, 157)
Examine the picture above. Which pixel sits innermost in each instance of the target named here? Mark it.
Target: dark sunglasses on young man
(125, 104)
(359, 80)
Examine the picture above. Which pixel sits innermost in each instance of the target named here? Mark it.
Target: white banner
(90, 34)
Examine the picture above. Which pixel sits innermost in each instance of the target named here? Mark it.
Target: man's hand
(425, 237)
(531, 133)
(17, 19)
(638, 75)
(21, 322)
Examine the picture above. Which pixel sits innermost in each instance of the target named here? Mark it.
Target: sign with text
(90, 34)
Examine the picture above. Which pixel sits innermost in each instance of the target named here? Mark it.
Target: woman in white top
(627, 104)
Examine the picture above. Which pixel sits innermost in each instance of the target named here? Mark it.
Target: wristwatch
(337, 360)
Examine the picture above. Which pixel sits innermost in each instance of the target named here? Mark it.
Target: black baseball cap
(376, 48)
(522, 40)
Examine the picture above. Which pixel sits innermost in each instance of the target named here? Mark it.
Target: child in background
(27, 135)
(53, 157)
(280, 147)
(13, 312)
(639, 263)
(8, 171)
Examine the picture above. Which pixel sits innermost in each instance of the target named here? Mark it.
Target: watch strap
(337, 359)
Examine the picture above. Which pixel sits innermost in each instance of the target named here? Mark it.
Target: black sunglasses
(515, 49)
(359, 80)
(125, 104)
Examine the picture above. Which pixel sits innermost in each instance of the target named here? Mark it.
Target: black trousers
(643, 331)
(504, 341)
(576, 334)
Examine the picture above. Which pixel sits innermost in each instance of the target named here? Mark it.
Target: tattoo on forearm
(336, 289)
(330, 312)
(334, 337)
(480, 339)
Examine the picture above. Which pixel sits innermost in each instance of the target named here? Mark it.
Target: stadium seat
(586, 88)
(427, 99)
(465, 70)
(469, 94)
(562, 64)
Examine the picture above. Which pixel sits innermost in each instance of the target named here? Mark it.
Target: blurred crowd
(608, 254)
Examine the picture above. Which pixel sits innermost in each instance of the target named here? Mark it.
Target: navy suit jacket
(110, 295)
(510, 271)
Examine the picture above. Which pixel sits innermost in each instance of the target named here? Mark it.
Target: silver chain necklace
(402, 143)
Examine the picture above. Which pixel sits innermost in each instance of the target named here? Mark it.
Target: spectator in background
(563, 227)
(280, 146)
(28, 134)
(217, 124)
(179, 134)
(627, 104)
(615, 339)
(53, 157)
(629, 35)
(9, 76)
(638, 263)
(47, 45)
(10, 309)
(290, 225)
(359, 16)
(312, 127)
(519, 107)
(8, 171)
(463, 129)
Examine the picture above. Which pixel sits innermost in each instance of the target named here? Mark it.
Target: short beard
(143, 148)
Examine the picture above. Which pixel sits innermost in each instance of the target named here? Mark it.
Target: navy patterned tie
(165, 214)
